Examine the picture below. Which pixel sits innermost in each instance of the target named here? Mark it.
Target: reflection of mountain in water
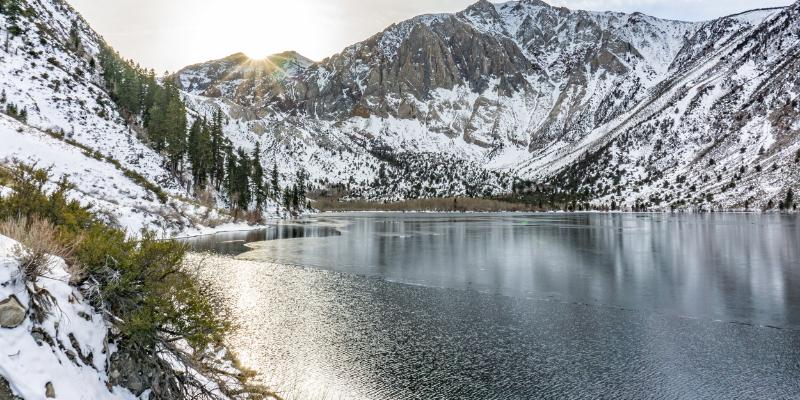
(728, 267)
(233, 243)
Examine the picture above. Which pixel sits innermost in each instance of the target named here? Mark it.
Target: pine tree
(789, 199)
(157, 125)
(196, 153)
(13, 9)
(130, 89)
(175, 128)
(151, 91)
(217, 150)
(287, 198)
(231, 165)
(74, 36)
(382, 174)
(243, 180)
(295, 197)
(259, 186)
(203, 155)
(301, 184)
(11, 110)
(275, 183)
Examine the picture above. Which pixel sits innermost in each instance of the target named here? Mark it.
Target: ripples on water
(627, 312)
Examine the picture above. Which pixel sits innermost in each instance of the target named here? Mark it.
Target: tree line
(13, 9)
(202, 150)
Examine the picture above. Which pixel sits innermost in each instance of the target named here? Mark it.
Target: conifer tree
(157, 121)
(259, 186)
(789, 199)
(275, 183)
(204, 154)
(151, 90)
(231, 165)
(74, 36)
(193, 139)
(287, 198)
(175, 128)
(217, 150)
(243, 179)
(295, 197)
(199, 152)
(13, 9)
(301, 184)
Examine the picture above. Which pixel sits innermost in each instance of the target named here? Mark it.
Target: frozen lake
(506, 306)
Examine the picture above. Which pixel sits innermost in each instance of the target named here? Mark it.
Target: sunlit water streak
(506, 307)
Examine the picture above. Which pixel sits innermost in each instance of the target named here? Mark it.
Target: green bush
(138, 282)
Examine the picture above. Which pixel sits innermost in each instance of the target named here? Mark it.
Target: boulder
(12, 312)
(49, 391)
(124, 371)
(5, 391)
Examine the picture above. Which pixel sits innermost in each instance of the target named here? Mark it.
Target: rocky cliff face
(520, 89)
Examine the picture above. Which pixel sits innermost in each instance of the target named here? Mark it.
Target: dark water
(541, 306)
(233, 243)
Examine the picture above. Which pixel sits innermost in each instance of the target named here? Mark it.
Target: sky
(169, 34)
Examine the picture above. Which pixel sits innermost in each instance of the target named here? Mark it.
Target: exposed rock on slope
(522, 88)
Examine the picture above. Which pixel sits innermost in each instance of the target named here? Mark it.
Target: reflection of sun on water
(248, 288)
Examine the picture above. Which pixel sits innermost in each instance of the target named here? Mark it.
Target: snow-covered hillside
(64, 356)
(528, 91)
(57, 113)
(101, 184)
(616, 108)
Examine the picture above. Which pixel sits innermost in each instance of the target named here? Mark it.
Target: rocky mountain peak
(246, 78)
(480, 7)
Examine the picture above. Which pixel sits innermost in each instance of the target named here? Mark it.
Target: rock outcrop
(12, 312)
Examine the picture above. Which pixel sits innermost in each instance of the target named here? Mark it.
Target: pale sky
(170, 34)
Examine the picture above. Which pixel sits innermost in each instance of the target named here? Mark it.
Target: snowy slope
(60, 87)
(721, 132)
(99, 183)
(70, 350)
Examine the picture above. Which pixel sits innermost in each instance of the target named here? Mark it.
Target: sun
(250, 54)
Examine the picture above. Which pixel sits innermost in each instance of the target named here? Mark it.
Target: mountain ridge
(496, 100)
(552, 80)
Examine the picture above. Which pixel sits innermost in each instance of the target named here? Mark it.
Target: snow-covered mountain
(622, 108)
(611, 108)
(56, 112)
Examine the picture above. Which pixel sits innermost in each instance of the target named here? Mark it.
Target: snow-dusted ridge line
(597, 79)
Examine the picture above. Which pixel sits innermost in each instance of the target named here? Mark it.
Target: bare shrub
(207, 198)
(254, 217)
(39, 245)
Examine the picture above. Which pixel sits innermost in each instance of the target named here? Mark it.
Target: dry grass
(451, 204)
(254, 217)
(39, 242)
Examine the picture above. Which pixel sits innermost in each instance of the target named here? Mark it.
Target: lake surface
(499, 306)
